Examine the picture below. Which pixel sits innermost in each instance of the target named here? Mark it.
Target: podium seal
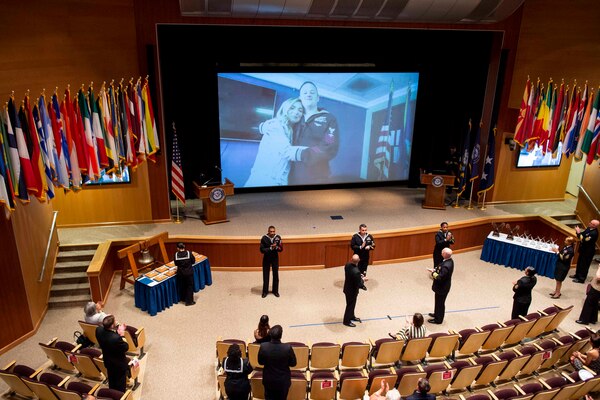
(437, 181)
(217, 195)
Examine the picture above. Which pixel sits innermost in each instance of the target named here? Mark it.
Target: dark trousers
(583, 264)
(519, 309)
(185, 284)
(589, 312)
(276, 391)
(267, 265)
(117, 379)
(363, 264)
(350, 305)
(440, 306)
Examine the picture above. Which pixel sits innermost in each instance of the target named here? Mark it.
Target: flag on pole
(7, 199)
(590, 133)
(46, 160)
(521, 120)
(475, 155)
(464, 162)
(18, 176)
(177, 185)
(585, 121)
(384, 148)
(487, 176)
(37, 162)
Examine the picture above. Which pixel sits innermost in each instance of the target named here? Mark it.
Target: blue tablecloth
(514, 255)
(164, 294)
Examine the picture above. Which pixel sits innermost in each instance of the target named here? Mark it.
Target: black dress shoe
(350, 324)
(264, 295)
(572, 276)
(190, 304)
(431, 314)
(581, 322)
(356, 319)
(433, 321)
(276, 294)
(578, 281)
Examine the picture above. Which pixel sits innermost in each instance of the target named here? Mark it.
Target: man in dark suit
(184, 260)
(277, 359)
(114, 349)
(362, 243)
(270, 246)
(423, 387)
(442, 280)
(352, 283)
(587, 249)
(443, 239)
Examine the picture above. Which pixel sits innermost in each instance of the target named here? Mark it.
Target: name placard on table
(157, 275)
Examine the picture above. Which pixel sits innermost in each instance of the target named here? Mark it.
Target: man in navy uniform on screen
(319, 133)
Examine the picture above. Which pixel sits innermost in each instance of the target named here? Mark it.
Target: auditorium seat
(299, 386)
(466, 373)
(12, 374)
(353, 385)
(568, 387)
(559, 315)
(256, 385)
(415, 349)
(498, 334)
(377, 375)
(539, 327)
(74, 390)
(470, 341)
(507, 393)
(83, 360)
(302, 352)
(133, 372)
(354, 356)
(476, 396)
(323, 385)
(324, 356)
(539, 391)
(442, 346)
(590, 385)
(253, 356)
(89, 331)
(385, 352)
(408, 377)
(42, 385)
(575, 344)
(439, 376)
(223, 346)
(56, 351)
(515, 362)
(517, 334)
(112, 394)
(136, 339)
(221, 384)
(491, 368)
(536, 358)
(554, 352)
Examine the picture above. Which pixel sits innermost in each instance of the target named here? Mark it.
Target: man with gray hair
(442, 280)
(93, 313)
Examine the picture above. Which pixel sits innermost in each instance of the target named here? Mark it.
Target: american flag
(176, 172)
(384, 148)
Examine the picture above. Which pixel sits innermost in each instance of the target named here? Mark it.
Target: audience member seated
(261, 334)
(93, 313)
(413, 329)
(384, 393)
(591, 358)
(237, 385)
(421, 393)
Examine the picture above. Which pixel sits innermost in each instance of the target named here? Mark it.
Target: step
(76, 255)
(71, 266)
(70, 289)
(68, 301)
(74, 247)
(69, 277)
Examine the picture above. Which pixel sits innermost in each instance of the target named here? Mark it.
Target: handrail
(589, 199)
(41, 278)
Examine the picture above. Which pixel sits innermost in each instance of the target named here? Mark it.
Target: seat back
(14, 381)
(415, 349)
(539, 327)
(465, 377)
(473, 343)
(84, 363)
(73, 390)
(588, 386)
(490, 371)
(557, 319)
(41, 389)
(443, 346)
(323, 386)
(496, 338)
(513, 367)
(577, 345)
(324, 356)
(89, 330)
(352, 387)
(114, 394)
(545, 394)
(223, 346)
(532, 364)
(299, 386)
(408, 379)
(440, 380)
(354, 355)
(253, 349)
(66, 394)
(256, 386)
(555, 356)
(302, 353)
(221, 385)
(518, 333)
(57, 356)
(99, 361)
(386, 352)
(136, 341)
(567, 391)
(376, 376)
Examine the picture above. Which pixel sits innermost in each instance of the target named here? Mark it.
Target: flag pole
(470, 205)
(177, 219)
(456, 205)
(483, 207)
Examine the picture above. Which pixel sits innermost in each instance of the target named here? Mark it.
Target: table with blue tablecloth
(157, 290)
(520, 253)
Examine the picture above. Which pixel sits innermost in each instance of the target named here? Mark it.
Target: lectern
(435, 194)
(214, 201)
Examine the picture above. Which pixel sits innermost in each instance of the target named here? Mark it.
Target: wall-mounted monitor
(536, 157)
(312, 128)
(112, 178)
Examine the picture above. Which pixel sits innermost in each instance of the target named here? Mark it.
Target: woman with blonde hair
(563, 264)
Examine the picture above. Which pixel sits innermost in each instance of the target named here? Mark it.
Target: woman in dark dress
(237, 385)
(261, 334)
(563, 264)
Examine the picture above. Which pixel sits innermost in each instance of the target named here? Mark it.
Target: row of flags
(67, 141)
(470, 160)
(553, 114)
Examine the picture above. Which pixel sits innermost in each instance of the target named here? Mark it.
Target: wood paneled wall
(585, 210)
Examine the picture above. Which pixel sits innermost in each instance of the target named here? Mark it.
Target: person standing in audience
(563, 264)
(93, 313)
(261, 334)
(443, 239)
(442, 280)
(422, 392)
(277, 358)
(114, 351)
(270, 246)
(352, 283)
(413, 329)
(587, 249)
(589, 311)
(237, 385)
(184, 260)
(522, 296)
(362, 243)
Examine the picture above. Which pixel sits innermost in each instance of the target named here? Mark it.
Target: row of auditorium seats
(136, 338)
(36, 384)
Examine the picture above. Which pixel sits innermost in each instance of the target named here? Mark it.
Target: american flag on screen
(177, 186)
(384, 148)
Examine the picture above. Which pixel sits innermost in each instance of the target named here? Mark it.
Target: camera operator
(270, 246)
(362, 243)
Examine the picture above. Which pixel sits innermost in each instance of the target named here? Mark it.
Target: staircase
(70, 286)
(569, 220)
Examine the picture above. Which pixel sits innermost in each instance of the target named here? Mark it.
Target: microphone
(221, 171)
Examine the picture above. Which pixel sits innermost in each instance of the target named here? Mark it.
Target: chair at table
(466, 373)
(74, 390)
(439, 376)
(415, 349)
(536, 358)
(56, 351)
(408, 377)
(324, 356)
(541, 322)
(302, 352)
(253, 349)
(442, 346)
(559, 315)
(223, 346)
(299, 386)
(470, 341)
(112, 394)
(353, 385)
(385, 352)
(491, 368)
(12, 374)
(323, 385)
(515, 363)
(136, 339)
(354, 356)
(378, 375)
(42, 385)
(89, 330)
(498, 334)
(520, 329)
(83, 360)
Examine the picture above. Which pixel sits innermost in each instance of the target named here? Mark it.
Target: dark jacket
(184, 260)
(353, 280)
(265, 247)
(523, 289)
(418, 396)
(277, 359)
(237, 382)
(442, 276)
(588, 239)
(441, 243)
(114, 349)
(357, 241)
